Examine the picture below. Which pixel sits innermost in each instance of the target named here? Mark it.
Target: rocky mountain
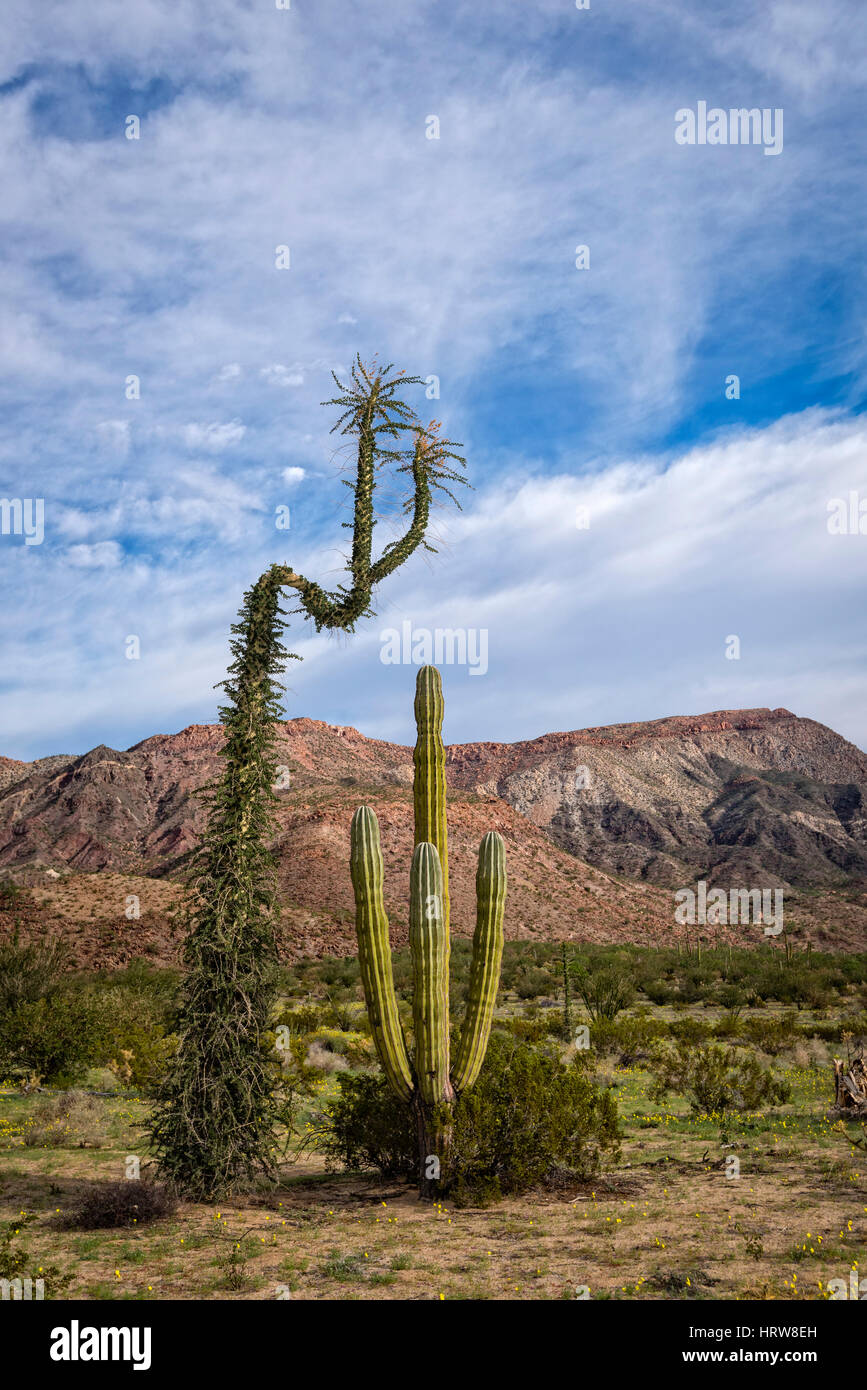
(737, 797)
(600, 824)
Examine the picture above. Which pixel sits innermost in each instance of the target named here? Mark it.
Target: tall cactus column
(432, 1084)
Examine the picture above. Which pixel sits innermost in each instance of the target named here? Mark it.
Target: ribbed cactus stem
(374, 951)
(487, 956)
(429, 944)
(429, 1086)
(429, 764)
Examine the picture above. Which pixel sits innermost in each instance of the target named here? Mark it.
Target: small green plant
(715, 1078)
(234, 1254)
(605, 990)
(16, 1264)
(32, 970)
(344, 1268)
(753, 1243)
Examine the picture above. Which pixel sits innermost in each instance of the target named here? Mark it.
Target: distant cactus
(432, 1084)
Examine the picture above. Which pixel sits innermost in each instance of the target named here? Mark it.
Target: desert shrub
(630, 1037)
(70, 1120)
(135, 1041)
(659, 991)
(715, 1078)
(366, 1127)
(321, 1059)
(605, 991)
(732, 997)
(729, 1026)
(356, 1048)
(855, 1025)
(10, 894)
(533, 982)
(533, 1030)
(529, 1119)
(124, 1203)
(31, 971)
(300, 1020)
(693, 1031)
(771, 1034)
(15, 1263)
(56, 1038)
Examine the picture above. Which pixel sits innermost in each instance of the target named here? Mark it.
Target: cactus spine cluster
(433, 1083)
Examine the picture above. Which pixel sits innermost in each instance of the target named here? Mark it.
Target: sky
(645, 536)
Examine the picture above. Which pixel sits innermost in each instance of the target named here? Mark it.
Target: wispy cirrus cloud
(154, 261)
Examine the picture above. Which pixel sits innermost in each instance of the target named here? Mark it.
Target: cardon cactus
(431, 1085)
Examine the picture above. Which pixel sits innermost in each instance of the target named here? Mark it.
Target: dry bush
(324, 1060)
(125, 1203)
(70, 1120)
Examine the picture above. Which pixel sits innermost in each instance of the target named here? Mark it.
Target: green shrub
(630, 1037)
(357, 1048)
(693, 1031)
(714, 1078)
(56, 1039)
(771, 1034)
(532, 983)
(30, 972)
(135, 1042)
(605, 991)
(533, 1030)
(529, 1120)
(15, 1263)
(659, 991)
(300, 1020)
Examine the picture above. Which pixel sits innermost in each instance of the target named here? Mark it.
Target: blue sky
(601, 388)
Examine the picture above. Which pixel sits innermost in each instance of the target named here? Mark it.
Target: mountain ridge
(601, 824)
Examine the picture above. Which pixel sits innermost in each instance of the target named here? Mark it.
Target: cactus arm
(374, 951)
(487, 956)
(429, 782)
(428, 939)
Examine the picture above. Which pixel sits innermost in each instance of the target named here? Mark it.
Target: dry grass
(667, 1222)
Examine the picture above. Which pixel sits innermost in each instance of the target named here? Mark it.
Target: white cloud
(215, 437)
(101, 555)
(278, 375)
(293, 475)
(114, 435)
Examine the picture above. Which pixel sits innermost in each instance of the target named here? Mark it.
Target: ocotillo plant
(432, 1084)
(214, 1124)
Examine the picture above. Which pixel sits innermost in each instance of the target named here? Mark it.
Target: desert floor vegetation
(736, 1203)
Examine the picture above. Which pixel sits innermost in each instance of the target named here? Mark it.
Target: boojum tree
(217, 1115)
(429, 1082)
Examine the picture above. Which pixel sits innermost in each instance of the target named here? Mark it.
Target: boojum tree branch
(216, 1118)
